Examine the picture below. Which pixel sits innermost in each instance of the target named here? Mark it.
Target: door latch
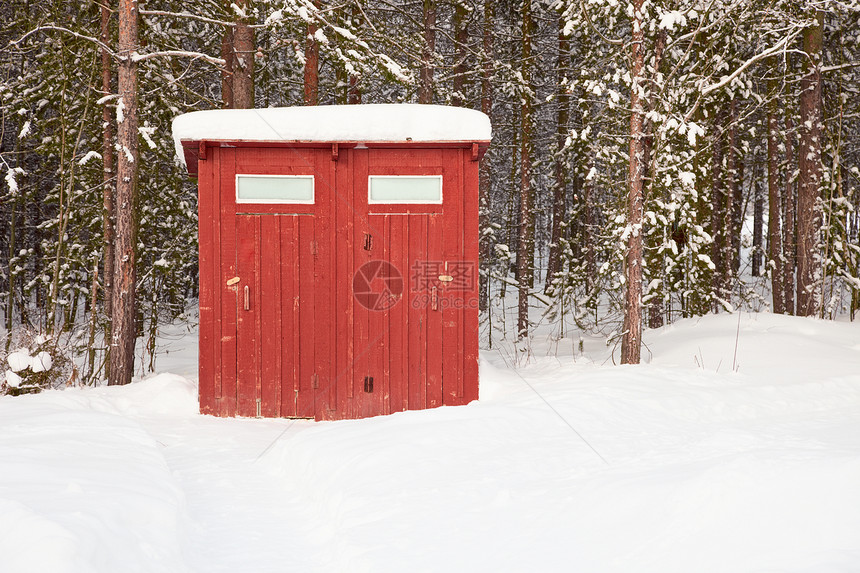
(445, 278)
(368, 383)
(368, 241)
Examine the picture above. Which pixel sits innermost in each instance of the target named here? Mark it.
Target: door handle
(368, 241)
(247, 298)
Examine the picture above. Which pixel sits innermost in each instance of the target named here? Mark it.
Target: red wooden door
(276, 345)
(284, 328)
(405, 315)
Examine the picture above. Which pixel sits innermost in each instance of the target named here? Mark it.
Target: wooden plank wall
(305, 346)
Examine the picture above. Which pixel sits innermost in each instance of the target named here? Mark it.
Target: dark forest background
(659, 159)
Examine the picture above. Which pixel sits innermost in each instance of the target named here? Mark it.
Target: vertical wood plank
(377, 333)
(227, 270)
(471, 239)
(452, 256)
(289, 322)
(207, 222)
(248, 348)
(269, 311)
(435, 342)
(306, 310)
(363, 345)
(325, 343)
(418, 311)
(344, 270)
(397, 347)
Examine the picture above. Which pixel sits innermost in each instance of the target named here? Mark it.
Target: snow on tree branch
(178, 53)
(727, 79)
(44, 27)
(186, 15)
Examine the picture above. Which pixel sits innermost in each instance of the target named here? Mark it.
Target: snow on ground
(736, 449)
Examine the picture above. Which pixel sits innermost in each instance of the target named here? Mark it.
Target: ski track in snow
(564, 464)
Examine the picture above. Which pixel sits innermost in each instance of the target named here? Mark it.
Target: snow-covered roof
(335, 123)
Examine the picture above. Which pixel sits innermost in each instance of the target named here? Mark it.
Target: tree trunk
(10, 301)
(655, 303)
(425, 86)
(632, 337)
(243, 61)
(485, 171)
(732, 203)
(525, 243)
(354, 94)
(461, 31)
(809, 162)
(737, 197)
(124, 307)
(108, 214)
(774, 227)
(718, 211)
(789, 246)
(758, 225)
(561, 168)
(312, 79)
(589, 231)
(227, 70)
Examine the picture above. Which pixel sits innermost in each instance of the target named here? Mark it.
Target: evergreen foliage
(713, 73)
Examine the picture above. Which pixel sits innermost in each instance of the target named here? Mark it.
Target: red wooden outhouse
(338, 258)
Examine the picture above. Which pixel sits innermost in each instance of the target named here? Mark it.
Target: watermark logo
(453, 276)
(377, 285)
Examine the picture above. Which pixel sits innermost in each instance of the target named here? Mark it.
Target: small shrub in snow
(38, 363)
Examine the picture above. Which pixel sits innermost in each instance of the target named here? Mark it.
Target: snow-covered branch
(52, 27)
(186, 15)
(587, 18)
(840, 67)
(178, 53)
(727, 79)
(514, 283)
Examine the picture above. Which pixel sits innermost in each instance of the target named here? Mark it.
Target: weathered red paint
(281, 330)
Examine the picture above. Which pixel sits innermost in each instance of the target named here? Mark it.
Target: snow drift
(736, 449)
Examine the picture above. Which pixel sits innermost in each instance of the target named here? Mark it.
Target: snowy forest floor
(735, 449)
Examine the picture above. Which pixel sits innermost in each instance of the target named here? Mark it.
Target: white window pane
(274, 189)
(405, 189)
